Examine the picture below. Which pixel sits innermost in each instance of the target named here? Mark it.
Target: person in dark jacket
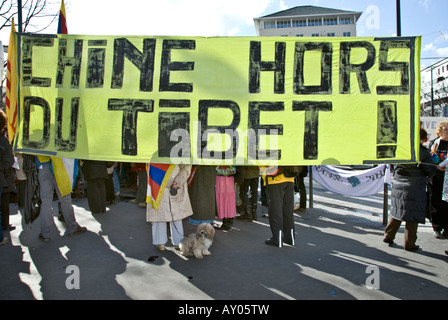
(10, 177)
(409, 197)
(6, 162)
(439, 212)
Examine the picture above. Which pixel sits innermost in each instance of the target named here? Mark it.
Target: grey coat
(409, 187)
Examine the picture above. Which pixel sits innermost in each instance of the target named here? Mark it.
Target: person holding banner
(439, 150)
(173, 206)
(56, 174)
(249, 205)
(226, 177)
(6, 161)
(301, 189)
(10, 179)
(280, 195)
(142, 178)
(95, 173)
(409, 197)
(201, 188)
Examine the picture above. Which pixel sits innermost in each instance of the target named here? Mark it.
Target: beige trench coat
(173, 208)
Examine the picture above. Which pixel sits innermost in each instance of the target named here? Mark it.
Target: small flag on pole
(62, 24)
(11, 83)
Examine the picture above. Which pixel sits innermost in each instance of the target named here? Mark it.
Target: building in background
(434, 89)
(308, 21)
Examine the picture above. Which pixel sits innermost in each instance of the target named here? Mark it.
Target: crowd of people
(202, 194)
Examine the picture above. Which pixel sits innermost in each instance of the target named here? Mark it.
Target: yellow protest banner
(240, 100)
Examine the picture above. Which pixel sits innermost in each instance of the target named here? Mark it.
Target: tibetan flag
(62, 24)
(11, 84)
(65, 171)
(158, 177)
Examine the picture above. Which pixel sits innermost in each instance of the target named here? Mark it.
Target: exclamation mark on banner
(387, 130)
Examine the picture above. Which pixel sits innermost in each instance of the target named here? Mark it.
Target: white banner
(357, 183)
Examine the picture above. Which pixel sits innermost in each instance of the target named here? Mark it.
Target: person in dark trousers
(280, 196)
(301, 189)
(10, 177)
(95, 173)
(6, 161)
(409, 197)
(439, 151)
(250, 182)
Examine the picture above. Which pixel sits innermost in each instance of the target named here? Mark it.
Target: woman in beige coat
(172, 209)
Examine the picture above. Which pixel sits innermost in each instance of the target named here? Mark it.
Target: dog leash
(172, 217)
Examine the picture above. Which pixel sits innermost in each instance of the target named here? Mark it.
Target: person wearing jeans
(48, 185)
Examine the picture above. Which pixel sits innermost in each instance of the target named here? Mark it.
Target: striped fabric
(158, 177)
(11, 84)
(62, 24)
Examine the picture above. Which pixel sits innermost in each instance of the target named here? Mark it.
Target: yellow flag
(11, 84)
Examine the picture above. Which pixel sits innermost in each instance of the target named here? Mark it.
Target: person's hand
(441, 168)
(175, 185)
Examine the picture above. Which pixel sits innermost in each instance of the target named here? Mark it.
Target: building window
(269, 25)
(347, 34)
(315, 35)
(299, 23)
(331, 34)
(330, 21)
(345, 20)
(299, 35)
(314, 22)
(283, 24)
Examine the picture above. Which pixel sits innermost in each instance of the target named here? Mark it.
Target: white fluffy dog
(197, 244)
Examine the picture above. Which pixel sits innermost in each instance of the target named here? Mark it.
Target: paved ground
(337, 241)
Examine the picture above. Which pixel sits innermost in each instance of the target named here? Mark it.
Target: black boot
(253, 211)
(226, 225)
(245, 216)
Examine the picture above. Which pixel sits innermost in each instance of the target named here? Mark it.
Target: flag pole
(398, 19)
(19, 15)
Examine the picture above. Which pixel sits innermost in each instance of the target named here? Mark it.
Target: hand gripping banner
(235, 100)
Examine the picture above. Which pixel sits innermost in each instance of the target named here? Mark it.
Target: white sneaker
(438, 235)
(4, 241)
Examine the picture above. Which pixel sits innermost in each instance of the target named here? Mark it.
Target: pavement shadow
(65, 268)
(327, 262)
(116, 260)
